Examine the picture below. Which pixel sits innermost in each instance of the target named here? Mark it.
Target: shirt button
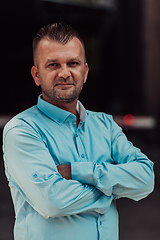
(76, 135)
(82, 155)
(59, 120)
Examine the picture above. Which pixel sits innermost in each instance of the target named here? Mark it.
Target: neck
(69, 107)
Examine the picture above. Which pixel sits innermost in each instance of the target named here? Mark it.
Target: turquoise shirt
(105, 166)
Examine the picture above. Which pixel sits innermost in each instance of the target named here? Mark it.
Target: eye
(53, 65)
(73, 64)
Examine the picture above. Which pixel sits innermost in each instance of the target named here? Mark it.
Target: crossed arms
(63, 190)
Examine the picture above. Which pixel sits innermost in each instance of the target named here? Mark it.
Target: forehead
(53, 49)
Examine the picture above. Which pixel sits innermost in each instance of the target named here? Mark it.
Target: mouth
(64, 85)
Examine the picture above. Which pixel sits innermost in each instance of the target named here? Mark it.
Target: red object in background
(129, 119)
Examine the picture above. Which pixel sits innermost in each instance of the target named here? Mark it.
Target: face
(61, 70)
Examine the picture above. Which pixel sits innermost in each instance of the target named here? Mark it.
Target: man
(65, 165)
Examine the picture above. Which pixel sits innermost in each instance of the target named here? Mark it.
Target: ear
(86, 72)
(34, 73)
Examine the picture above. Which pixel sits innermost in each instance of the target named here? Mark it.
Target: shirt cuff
(83, 172)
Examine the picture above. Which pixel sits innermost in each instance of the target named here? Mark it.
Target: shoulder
(100, 116)
(102, 119)
(24, 118)
(105, 123)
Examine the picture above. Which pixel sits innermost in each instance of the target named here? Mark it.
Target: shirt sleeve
(32, 171)
(130, 176)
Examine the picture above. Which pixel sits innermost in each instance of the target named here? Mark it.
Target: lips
(64, 84)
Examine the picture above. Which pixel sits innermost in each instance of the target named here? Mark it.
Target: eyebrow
(76, 59)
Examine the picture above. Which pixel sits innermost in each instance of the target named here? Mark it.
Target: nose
(64, 72)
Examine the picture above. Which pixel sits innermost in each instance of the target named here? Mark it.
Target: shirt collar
(81, 111)
(59, 115)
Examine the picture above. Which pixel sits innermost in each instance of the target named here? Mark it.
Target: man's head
(60, 66)
(59, 32)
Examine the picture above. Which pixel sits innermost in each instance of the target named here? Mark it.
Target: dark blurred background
(122, 39)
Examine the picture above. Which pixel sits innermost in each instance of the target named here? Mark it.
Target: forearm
(40, 183)
(134, 180)
(59, 197)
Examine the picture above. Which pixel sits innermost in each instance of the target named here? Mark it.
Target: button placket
(80, 148)
(72, 126)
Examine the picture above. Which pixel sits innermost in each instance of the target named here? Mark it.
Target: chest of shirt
(67, 143)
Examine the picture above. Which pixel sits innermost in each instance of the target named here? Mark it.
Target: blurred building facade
(151, 54)
(122, 45)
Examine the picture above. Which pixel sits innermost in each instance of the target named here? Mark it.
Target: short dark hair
(60, 32)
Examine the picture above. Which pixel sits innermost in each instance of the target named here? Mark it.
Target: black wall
(113, 44)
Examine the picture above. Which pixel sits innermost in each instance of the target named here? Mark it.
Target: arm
(65, 171)
(33, 172)
(130, 176)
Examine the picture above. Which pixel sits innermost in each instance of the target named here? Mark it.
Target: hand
(65, 171)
